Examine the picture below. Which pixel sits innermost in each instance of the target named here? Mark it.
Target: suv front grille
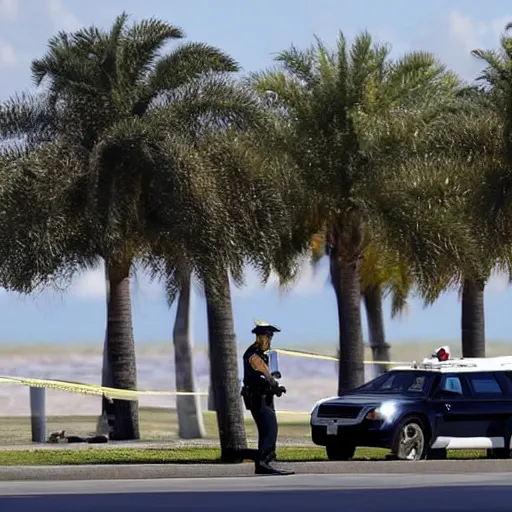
(338, 411)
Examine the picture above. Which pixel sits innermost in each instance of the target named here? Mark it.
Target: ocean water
(306, 380)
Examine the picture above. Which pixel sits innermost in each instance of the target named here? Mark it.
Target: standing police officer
(258, 392)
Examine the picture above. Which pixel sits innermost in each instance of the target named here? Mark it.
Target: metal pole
(38, 414)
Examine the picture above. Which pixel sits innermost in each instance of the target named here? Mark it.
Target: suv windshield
(413, 382)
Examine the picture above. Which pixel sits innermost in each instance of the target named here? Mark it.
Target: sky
(251, 32)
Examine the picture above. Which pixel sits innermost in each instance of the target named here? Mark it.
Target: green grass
(160, 425)
(199, 455)
(155, 425)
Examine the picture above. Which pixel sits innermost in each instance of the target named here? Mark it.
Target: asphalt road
(491, 492)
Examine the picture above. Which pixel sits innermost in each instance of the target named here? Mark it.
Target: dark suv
(420, 412)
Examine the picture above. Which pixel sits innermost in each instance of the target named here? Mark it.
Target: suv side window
(452, 384)
(484, 385)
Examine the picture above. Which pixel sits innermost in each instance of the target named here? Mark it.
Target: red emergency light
(443, 353)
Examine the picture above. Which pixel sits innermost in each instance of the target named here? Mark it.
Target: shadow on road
(425, 499)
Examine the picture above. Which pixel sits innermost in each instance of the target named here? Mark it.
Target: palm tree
(190, 416)
(382, 274)
(131, 114)
(243, 223)
(257, 226)
(458, 147)
(493, 189)
(318, 94)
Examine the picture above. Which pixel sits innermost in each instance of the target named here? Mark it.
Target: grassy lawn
(176, 456)
(155, 425)
(160, 425)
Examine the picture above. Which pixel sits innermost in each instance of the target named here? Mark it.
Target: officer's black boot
(263, 467)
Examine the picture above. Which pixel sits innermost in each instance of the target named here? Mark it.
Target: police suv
(422, 410)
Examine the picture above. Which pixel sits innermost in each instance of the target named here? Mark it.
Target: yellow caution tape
(133, 394)
(93, 389)
(300, 353)
(110, 393)
(311, 355)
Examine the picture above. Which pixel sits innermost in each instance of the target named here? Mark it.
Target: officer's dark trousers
(264, 415)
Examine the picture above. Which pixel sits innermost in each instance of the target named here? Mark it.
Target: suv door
(492, 407)
(451, 403)
(472, 415)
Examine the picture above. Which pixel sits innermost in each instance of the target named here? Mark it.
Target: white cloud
(498, 24)
(498, 283)
(309, 282)
(61, 18)
(465, 35)
(9, 10)
(312, 281)
(453, 40)
(7, 56)
(142, 285)
(90, 285)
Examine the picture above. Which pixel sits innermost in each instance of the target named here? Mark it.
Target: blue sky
(251, 32)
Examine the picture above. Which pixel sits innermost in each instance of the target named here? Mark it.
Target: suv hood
(370, 399)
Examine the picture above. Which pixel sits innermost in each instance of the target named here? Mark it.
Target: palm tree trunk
(224, 372)
(347, 287)
(211, 398)
(372, 297)
(190, 416)
(473, 318)
(120, 351)
(102, 427)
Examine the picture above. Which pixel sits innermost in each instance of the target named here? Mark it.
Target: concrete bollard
(38, 414)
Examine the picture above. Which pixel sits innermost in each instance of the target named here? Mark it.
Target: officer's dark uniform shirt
(253, 378)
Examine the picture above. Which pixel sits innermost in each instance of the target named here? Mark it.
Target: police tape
(109, 393)
(134, 394)
(312, 355)
(93, 389)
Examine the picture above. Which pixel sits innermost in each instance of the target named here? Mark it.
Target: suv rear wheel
(337, 450)
(503, 453)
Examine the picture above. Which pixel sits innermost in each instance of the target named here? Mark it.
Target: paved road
(491, 492)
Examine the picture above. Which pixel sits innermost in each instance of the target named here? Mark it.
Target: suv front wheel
(337, 450)
(411, 440)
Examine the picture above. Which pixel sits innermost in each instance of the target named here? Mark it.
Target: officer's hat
(264, 328)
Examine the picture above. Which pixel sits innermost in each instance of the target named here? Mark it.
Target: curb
(166, 471)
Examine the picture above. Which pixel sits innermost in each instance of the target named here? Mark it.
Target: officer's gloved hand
(280, 391)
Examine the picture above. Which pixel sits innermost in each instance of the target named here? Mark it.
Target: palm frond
(187, 63)
(140, 47)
